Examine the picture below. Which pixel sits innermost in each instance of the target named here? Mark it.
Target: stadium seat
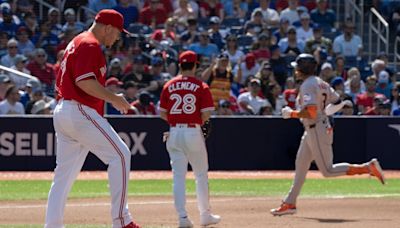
(140, 29)
(230, 22)
(245, 41)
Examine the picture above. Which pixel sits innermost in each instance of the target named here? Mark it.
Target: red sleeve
(157, 35)
(206, 102)
(87, 62)
(164, 99)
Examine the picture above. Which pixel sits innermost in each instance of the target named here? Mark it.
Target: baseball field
(243, 199)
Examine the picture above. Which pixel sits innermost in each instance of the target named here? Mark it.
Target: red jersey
(184, 98)
(82, 60)
(367, 101)
(290, 97)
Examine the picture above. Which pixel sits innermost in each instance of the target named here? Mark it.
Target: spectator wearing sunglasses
(12, 52)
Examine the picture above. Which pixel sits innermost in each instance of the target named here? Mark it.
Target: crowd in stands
(244, 46)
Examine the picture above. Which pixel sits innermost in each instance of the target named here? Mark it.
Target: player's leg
(69, 159)
(179, 164)
(303, 161)
(196, 151)
(105, 143)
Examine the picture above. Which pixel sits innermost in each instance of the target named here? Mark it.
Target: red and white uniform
(183, 99)
(80, 128)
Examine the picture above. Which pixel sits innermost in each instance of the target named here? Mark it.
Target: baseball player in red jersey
(79, 123)
(317, 100)
(186, 103)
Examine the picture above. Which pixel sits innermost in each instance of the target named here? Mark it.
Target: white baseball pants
(186, 145)
(80, 129)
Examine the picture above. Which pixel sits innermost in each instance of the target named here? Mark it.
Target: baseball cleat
(284, 209)
(185, 223)
(209, 219)
(132, 225)
(376, 170)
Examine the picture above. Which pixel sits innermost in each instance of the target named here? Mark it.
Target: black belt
(312, 126)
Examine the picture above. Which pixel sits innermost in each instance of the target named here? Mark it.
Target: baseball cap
(39, 106)
(223, 56)
(111, 17)
(113, 81)
(33, 83)
(284, 20)
(20, 58)
(305, 15)
(383, 77)
(69, 11)
(156, 60)
(4, 78)
(256, 81)
(337, 81)
(317, 27)
(302, 9)
(215, 20)
(115, 62)
(188, 57)
(6, 11)
(326, 65)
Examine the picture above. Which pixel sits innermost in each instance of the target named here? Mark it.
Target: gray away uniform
(316, 143)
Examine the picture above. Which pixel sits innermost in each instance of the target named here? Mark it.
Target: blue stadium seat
(140, 29)
(245, 41)
(229, 22)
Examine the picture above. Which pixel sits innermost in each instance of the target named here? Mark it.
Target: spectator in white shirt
(11, 105)
(305, 32)
(348, 44)
(248, 68)
(25, 45)
(291, 11)
(20, 65)
(271, 17)
(249, 102)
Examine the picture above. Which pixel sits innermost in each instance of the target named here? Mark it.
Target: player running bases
(186, 103)
(79, 123)
(317, 100)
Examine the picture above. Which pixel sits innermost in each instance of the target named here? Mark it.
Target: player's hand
(121, 104)
(286, 112)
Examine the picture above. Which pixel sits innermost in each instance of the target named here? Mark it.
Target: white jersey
(315, 91)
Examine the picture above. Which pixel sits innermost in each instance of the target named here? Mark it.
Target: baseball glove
(206, 129)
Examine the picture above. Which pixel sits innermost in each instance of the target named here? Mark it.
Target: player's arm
(337, 106)
(93, 88)
(205, 115)
(308, 112)
(163, 115)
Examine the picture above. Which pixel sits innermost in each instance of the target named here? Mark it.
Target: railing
(397, 52)
(356, 13)
(44, 4)
(381, 33)
(89, 13)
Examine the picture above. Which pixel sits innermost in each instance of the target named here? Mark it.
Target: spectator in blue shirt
(130, 12)
(46, 40)
(53, 17)
(324, 16)
(203, 47)
(215, 35)
(8, 25)
(384, 85)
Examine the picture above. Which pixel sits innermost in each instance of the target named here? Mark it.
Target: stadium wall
(240, 143)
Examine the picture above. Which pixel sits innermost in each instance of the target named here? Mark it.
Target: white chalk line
(230, 199)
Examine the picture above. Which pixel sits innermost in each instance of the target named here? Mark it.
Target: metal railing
(90, 14)
(356, 13)
(380, 27)
(397, 52)
(16, 72)
(43, 4)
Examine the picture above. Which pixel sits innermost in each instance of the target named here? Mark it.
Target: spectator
(203, 47)
(31, 24)
(281, 32)
(337, 84)
(25, 45)
(167, 34)
(247, 68)
(163, 4)
(216, 36)
(275, 98)
(5, 82)
(235, 9)
(114, 86)
(11, 104)
(211, 8)
(271, 17)
(354, 85)
(324, 16)
(291, 12)
(57, 65)
(32, 84)
(305, 32)
(128, 11)
(8, 60)
(318, 42)
(54, 21)
(189, 36)
(384, 85)
(235, 55)
(220, 78)
(131, 91)
(266, 77)
(185, 10)
(3, 44)
(46, 40)
(115, 69)
(377, 66)
(395, 98)
(291, 45)
(153, 15)
(256, 24)
(348, 44)
(144, 104)
(71, 23)
(249, 102)
(348, 109)
(8, 25)
(41, 108)
(261, 48)
(224, 108)
(381, 107)
(40, 68)
(279, 65)
(365, 100)
(97, 5)
(159, 75)
(340, 69)
(139, 73)
(20, 65)
(290, 95)
(65, 37)
(327, 73)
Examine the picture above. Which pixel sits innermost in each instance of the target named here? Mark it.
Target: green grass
(38, 189)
